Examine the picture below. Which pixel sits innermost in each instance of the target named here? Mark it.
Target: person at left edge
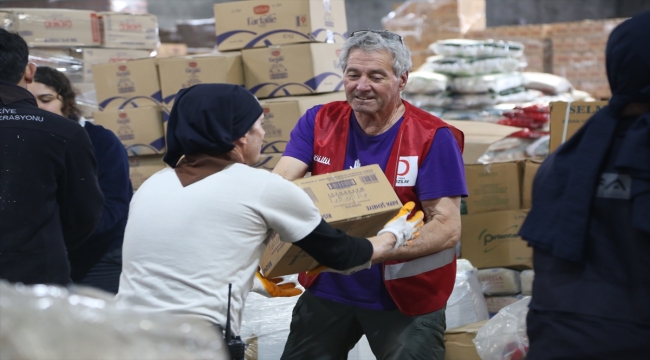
(98, 262)
(50, 200)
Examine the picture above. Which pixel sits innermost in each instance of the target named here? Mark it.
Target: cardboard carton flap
(479, 136)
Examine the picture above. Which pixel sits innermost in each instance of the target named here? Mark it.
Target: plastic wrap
(425, 82)
(265, 328)
(494, 83)
(517, 146)
(537, 46)
(515, 96)
(499, 281)
(423, 101)
(504, 336)
(456, 66)
(466, 304)
(477, 48)
(51, 322)
(547, 83)
(527, 277)
(60, 59)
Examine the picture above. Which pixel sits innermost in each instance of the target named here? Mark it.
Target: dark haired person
(50, 200)
(589, 225)
(98, 262)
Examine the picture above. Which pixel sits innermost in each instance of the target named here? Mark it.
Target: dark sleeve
(79, 196)
(113, 175)
(334, 248)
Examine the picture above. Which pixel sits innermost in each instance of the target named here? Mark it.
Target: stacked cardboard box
(75, 41)
(494, 216)
(567, 118)
(421, 23)
(281, 117)
(129, 103)
(288, 47)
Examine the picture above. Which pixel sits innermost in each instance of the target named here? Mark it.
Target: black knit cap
(207, 118)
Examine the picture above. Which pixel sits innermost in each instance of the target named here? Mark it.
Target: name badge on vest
(407, 171)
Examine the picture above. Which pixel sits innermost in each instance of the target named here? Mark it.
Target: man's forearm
(441, 231)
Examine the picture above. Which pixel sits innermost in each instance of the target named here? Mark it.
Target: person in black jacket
(589, 224)
(50, 200)
(98, 262)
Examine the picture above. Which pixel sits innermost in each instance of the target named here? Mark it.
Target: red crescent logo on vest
(403, 167)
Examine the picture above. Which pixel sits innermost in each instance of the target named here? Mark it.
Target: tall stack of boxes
(92, 49)
(421, 23)
(288, 48)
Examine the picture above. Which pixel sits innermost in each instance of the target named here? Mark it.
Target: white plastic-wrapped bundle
(547, 83)
(466, 304)
(499, 281)
(441, 100)
(265, 328)
(504, 336)
(516, 95)
(267, 321)
(527, 277)
(426, 82)
(456, 66)
(494, 83)
(43, 322)
(477, 48)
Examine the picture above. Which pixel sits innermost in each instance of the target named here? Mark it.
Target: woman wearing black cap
(201, 225)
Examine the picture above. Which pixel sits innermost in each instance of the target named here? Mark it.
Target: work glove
(404, 229)
(272, 287)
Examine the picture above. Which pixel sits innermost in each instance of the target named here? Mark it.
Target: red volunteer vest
(417, 286)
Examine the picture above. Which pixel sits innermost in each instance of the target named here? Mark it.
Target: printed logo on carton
(329, 19)
(268, 114)
(130, 26)
(261, 9)
(124, 132)
(57, 22)
(119, 58)
(193, 70)
(277, 70)
(492, 241)
(264, 18)
(124, 84)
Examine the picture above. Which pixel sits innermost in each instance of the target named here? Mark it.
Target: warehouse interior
(518, 79)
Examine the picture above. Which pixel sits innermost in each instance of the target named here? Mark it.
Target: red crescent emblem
(407, 167)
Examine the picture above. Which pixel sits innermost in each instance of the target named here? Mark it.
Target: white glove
(272, 287)
(403, 229)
